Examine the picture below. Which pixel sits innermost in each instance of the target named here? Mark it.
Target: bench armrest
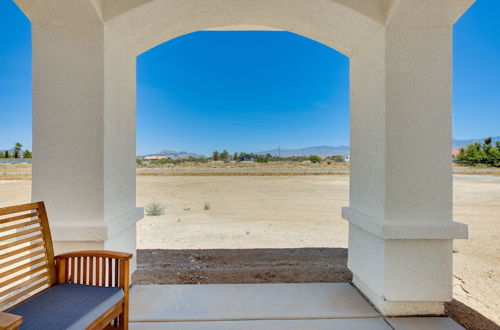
(10, 321)
(99, 268)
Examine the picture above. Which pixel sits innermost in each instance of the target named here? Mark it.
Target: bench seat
(73, 290)
(67, 306)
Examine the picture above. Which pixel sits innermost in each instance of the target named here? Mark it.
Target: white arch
(148, 23)
(400, 209)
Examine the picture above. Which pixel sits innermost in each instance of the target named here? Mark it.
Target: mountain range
(457, 144)
(11, 151)
(318, 150)
(176, 154)
(345, 150)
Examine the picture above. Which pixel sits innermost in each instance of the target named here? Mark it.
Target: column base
(402, 270)
(398, 308)
(118, 235)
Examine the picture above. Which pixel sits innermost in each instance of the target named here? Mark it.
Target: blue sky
(252, 91)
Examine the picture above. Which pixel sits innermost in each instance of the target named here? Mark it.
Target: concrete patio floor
(264, 306)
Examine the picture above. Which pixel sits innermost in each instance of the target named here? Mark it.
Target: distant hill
(176, 154)
(345, 150)
(308, 151)
(11, 151)
(457, 144)
(319, 151)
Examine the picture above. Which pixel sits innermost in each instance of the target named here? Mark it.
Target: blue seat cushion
(67, 306)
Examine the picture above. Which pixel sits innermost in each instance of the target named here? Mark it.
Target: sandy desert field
(301, 211)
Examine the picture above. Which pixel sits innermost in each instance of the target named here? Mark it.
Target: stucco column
(400, 215)
(83, 128)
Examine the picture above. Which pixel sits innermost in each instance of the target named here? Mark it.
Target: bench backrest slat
(26, 253)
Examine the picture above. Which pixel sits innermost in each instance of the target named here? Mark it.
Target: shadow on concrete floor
(224, 266)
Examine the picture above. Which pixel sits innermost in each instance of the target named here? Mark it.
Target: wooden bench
(87, 289)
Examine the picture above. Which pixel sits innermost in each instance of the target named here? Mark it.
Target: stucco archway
(400, 212)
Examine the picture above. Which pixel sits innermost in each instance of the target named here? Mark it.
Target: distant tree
(2, 155)
(473, 154)
(476, 153)
(18, 147)
(314, 158)
(27, 154)
(6, 154)
(235, 156)
(269, 156)
(215, 155)
(492, 155)
(260, 158)
(337, 158)
(224, 155)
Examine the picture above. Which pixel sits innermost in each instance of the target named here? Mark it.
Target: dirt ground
(245, 212)
(215, 266)
(476, 268)
(273, 213)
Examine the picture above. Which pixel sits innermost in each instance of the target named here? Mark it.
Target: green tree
(27, 154)
(17, 150)
(6, 154)
(476, 153)
(224, 155)
(492, 155)
(260, 158)
(314, 158)
(215, 155)
(235, 156)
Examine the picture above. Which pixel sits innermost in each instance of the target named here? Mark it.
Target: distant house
(455, 153)
(347, 158)
(246, 158)
(155, 157)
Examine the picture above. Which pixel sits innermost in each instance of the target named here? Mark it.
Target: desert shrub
(314, 158)
(202, 160)
(164, 161)
(338, 158)
(154, 209)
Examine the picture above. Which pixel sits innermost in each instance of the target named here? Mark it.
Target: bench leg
(123, 318)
